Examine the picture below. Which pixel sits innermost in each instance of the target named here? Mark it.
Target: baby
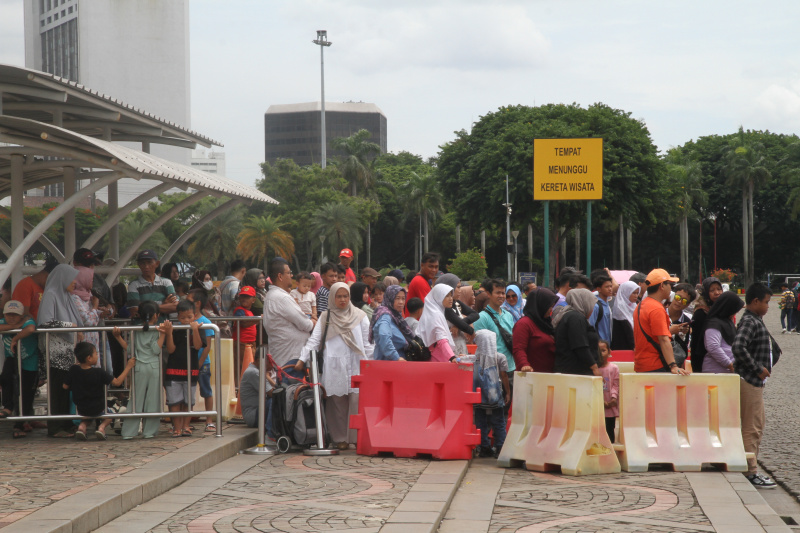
(303, 295)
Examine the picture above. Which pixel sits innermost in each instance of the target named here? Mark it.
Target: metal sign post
(320, 449)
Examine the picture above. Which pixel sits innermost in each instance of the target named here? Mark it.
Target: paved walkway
(293, 493)
(43, 478)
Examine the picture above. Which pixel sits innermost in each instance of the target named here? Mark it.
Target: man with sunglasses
(651, 327)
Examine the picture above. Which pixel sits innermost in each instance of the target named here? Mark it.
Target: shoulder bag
(679, 355)
(504, 334)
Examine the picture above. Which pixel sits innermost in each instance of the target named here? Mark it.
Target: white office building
(135, 50)
(209, 161)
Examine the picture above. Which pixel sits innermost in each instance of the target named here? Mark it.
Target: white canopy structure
(57, 131)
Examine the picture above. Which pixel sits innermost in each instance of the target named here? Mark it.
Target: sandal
(62, 435)
(176, 434)
(18, 434)
(27, 427)
(80, 435)
(100, 435)
(5, 413)
(187, 432)
(211, 427)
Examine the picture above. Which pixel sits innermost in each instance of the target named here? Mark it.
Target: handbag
(504, 334)
(416, 350)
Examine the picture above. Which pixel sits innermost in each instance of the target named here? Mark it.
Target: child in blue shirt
(26, 345)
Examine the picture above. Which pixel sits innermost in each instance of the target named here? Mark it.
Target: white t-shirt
(305, 301)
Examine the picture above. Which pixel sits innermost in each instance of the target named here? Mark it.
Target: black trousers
(9, 381)
(59, 401)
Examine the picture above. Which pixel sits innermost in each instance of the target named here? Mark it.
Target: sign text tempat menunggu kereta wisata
(568, 169)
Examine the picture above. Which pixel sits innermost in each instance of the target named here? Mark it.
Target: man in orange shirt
(653, 342)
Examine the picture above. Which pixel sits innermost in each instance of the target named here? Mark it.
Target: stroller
(293, 417)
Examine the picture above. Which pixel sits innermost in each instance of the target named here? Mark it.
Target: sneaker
(761, 481)
(80, 435)
(783, 331)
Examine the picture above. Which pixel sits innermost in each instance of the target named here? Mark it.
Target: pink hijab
(84, 281)
(317, 282)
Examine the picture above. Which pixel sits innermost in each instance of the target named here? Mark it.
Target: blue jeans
(787, 321)
(495, 418)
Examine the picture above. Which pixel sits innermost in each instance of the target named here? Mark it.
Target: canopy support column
(69, 217)
(113, 207)
(18, 209)
(155, 225)
(189, 233)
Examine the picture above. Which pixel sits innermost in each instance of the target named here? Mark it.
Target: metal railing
(132, 399)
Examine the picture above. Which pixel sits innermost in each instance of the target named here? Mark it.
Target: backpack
(488, 379)
(304, 425)
(600, 314)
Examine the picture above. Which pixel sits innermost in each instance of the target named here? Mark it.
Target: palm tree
(356, 167)
(340, 223)
(133, 226)
(422, 198)
(215, 243)
(686, 176)
(745, 167)
(260, 234)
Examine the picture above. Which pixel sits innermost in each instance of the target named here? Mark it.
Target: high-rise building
(292, 131)
(135, 50)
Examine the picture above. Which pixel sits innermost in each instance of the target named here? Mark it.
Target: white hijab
(433, 325)
(623, 308)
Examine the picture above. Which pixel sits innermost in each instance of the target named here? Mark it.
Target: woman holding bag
(433, 327)
(342, 336)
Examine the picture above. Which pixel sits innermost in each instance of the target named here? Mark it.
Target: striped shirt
(322, 299)
(142, 290)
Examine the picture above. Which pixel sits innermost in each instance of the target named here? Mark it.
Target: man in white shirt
(287, 326)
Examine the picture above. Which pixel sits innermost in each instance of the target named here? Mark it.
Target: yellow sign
(568, 169)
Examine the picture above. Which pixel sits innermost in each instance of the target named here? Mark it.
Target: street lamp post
(321, 249)
(322, 41)
(515, 233)
(507, 205)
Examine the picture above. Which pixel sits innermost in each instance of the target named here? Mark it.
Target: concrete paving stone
(419, 517)
(134, 522)
(421, 506)
(41, 524)
(408, 528)
(464, 526)
(424, 496)
(439, 478)
(432, 487)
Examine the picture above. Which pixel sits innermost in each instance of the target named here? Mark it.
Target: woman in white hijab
(433, 327)
(622, 316)
(57, 310)
(346, 344)
(576, 339)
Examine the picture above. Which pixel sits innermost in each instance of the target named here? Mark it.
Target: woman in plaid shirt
(755, 353)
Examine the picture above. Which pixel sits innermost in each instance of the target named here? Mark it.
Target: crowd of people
(418, 316)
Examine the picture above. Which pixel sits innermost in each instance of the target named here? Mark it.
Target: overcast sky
(687, 69)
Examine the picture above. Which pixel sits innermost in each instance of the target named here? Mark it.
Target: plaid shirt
(751, 349)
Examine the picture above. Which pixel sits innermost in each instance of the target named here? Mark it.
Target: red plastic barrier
(409, 409)
(625, 356)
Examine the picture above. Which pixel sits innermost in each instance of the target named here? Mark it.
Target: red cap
(347, 252)
(247, 290)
